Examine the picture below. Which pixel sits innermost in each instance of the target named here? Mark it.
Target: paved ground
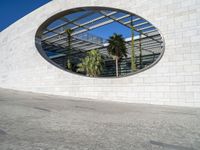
(42, 122)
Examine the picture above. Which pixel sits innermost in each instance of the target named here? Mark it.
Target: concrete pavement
(31, 121)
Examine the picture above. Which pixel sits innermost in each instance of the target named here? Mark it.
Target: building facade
(174, 80)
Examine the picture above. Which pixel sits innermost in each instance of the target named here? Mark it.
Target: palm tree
(117, 48)
(91, 64)
(69, 37)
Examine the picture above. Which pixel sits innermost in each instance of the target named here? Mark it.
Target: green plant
(91, 64)
(69, 37)
(68, 59)
(69, 65)
(117, 48)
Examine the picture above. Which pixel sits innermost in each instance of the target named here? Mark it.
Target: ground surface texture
(31, 121)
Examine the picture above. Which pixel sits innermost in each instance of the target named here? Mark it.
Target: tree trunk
(69, 53)
(116, 63)
(133, 65)
(69, 43)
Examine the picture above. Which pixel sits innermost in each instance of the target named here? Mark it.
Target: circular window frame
(53, 18)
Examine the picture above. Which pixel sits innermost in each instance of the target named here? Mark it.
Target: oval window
(100, 42)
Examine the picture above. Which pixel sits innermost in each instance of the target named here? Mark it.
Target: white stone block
(173, 81)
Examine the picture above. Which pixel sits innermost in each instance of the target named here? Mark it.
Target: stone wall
(174, 80)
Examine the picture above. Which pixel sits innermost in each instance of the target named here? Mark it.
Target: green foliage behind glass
(91, 65)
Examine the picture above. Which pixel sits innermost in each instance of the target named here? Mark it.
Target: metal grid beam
(57, 42)
(62, 25)
(139, 31)
(84, 24)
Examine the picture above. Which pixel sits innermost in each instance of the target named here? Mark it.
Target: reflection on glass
(101, 42)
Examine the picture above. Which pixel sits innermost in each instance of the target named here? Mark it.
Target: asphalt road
(31, 121)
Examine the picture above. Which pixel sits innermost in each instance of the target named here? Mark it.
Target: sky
(106, 31)
(12, 10)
